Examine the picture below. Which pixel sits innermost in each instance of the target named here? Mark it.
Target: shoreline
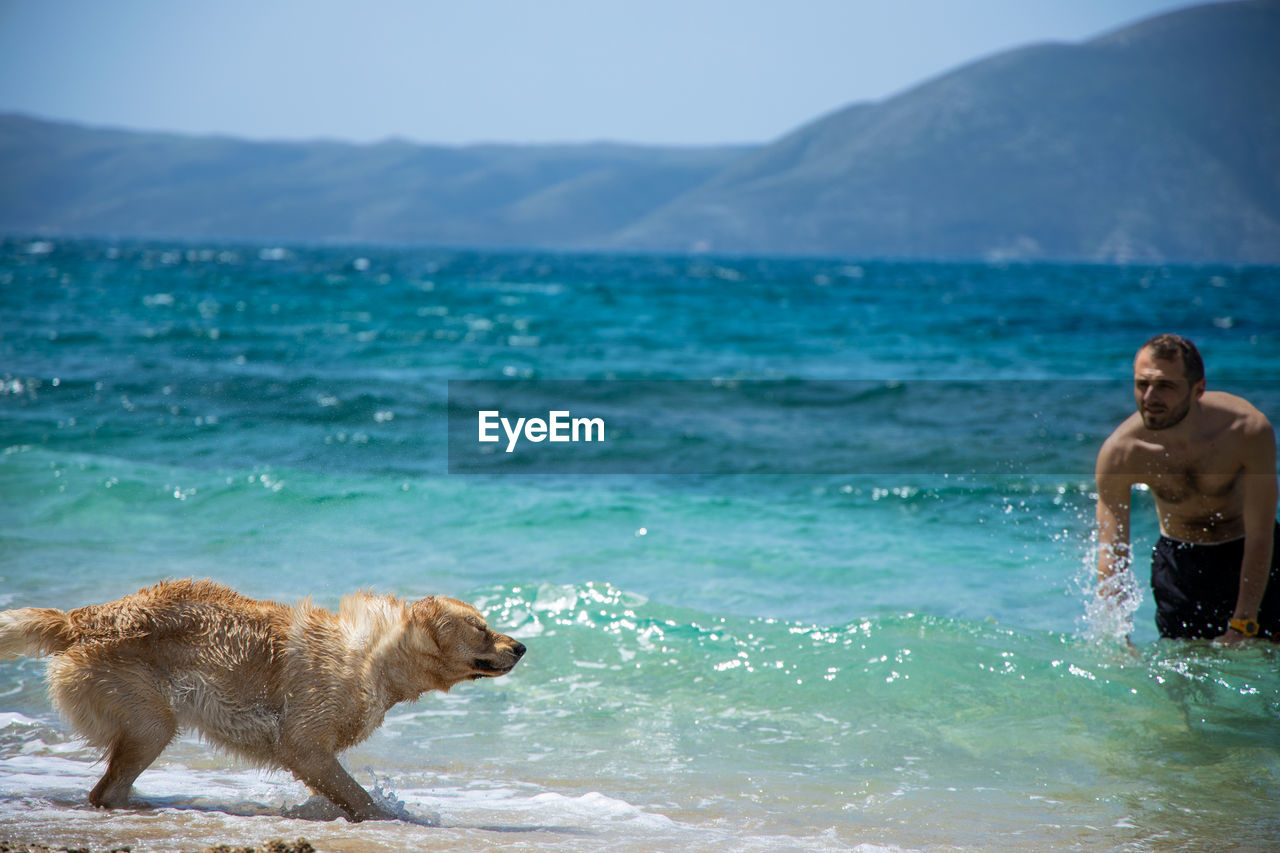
(300, 845)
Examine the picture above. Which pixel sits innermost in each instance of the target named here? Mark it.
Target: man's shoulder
(1237, 413)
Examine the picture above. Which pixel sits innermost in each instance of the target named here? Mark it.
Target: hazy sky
(649, 71)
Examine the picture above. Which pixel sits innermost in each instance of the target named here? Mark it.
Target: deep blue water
(827, 586)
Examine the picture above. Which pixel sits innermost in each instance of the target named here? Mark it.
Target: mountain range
(1159, 142)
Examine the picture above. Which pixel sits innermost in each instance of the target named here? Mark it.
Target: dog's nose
(518, 650)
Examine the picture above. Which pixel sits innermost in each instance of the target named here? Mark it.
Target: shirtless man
(1209, 459)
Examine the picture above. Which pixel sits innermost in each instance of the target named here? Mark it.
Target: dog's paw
(315, 808)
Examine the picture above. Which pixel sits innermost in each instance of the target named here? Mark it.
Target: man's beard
(1168, 418)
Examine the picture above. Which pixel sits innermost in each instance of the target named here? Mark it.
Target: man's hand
(1231, 638)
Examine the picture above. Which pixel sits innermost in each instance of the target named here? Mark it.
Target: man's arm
(1114, 499)
(1260, 496)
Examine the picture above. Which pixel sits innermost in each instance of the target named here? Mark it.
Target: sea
(814, 574)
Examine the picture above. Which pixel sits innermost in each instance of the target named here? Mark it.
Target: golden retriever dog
(281, 686)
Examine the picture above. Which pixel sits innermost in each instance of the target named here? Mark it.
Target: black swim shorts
(1196, 586)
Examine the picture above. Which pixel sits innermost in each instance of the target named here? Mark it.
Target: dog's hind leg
(131, 753)
(118, 707)
(324, 775)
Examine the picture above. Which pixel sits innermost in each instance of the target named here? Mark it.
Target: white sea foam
(177, 805)
(593, 809)
(10, 718)
(44, 798)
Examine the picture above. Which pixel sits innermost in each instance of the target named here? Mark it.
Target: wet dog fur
(281, 686)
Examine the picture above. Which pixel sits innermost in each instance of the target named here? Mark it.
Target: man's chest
(1208, 474)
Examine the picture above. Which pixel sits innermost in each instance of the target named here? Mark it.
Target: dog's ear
(427, 612)
(424, 621)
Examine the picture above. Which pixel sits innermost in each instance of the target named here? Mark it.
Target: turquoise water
(853, 616)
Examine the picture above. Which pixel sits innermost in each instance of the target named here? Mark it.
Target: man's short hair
(1170, 347)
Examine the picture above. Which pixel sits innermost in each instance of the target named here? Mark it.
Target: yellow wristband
(1248, 627)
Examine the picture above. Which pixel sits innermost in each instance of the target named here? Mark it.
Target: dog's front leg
(324, 775)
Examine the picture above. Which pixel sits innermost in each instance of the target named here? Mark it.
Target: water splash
(1109, 611)
(1110, 604)
(385, 796)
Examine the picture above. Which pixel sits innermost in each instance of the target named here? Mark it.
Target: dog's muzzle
(489, 668)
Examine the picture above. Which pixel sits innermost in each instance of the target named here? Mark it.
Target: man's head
(1168, 376)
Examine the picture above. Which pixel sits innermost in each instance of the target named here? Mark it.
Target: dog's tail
(34, 631)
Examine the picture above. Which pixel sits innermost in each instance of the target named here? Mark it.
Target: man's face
(1161, 390)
